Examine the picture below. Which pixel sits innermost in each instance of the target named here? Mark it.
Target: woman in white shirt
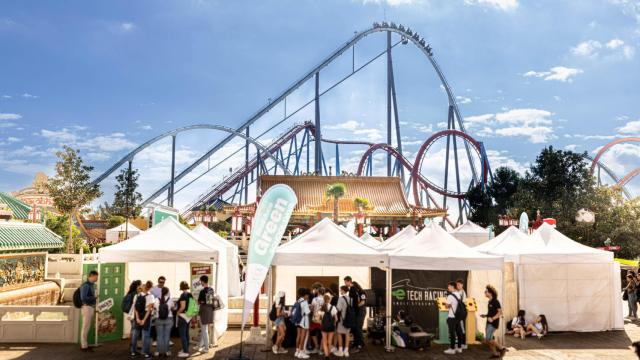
(303, 325)
(344, 302)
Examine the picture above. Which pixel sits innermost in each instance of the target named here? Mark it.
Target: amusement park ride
(299, 150)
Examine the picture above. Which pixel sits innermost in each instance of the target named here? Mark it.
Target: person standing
(343, 305)
(88, 298)
(455, 330)
(358, 300)
(183, 319)
(205, 299)
(300, 317)
(281, 328)
(632, 300)
(328, 328)
(494, 312)
(143, 309)
(462, 295)
(156, 291)
(164, 321)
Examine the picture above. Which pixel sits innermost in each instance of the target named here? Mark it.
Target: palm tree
(335, 191)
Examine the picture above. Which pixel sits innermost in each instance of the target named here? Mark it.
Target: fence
(38, 324)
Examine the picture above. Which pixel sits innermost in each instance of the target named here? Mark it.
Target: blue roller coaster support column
(318, 134)
(389, 80)
(455, 159)
(337, 160)
(246, 165)
(173, 171)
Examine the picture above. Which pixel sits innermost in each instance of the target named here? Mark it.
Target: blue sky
(105, 77)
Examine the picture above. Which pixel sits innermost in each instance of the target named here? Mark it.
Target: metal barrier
(38, 324)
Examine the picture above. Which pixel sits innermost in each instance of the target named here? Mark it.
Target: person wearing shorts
(494, 312)
(303, 325)
(344, 302)
(281, 328)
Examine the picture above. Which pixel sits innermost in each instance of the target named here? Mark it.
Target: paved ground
(580, 346)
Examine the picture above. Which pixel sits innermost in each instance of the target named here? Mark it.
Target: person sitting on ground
(539, 328)
(518, 325)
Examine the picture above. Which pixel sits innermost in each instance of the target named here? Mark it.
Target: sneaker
(459, 350)
(156, 354)
(302, 355)
(211, 346)
(338, 353)
(282, 351)
(133, 354)
(155, 343)
(464, 347)
(168, 354)
(183, 354)
(274, 349)
(450, 351)
(147, 356)
(345, 353)
(321, 353)
(296, 354)
(170, 342)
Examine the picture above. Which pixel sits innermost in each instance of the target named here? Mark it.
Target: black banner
(416, 292)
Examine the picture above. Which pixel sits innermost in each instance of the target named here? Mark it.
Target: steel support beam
(246, 164)
(173, 171)
(318, 134)
(395, 115)
(455, 159)
(389, 100)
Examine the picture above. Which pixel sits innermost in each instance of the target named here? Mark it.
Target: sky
(106, 77)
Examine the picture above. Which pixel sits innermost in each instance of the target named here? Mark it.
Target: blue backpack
(296, 313)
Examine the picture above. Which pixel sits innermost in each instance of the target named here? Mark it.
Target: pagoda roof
(19, 210)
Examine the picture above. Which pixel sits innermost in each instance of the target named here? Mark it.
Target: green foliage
(222, 233)
(362, 202)
(115, 220)
(60, 226)
(71, 187)
(104, 211)
(220, 226)
(126, 199)
(496, 199)
(335, 191)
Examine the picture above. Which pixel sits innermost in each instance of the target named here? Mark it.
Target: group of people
(152, 313)
(324, 318)
(458, 314)
(632, 293)
(520, 328)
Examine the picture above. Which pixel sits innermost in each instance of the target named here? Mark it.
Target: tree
(496, 199)
(362, 203)
(104, 211)
(115, 220)
(218, 226)
(71, 187)
(335, 191)
(483, 211)
(58, 224)
(126, 199)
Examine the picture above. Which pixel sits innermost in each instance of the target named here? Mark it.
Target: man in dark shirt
(206, 316)
(358, 299)
(88, 298)
(493, 315)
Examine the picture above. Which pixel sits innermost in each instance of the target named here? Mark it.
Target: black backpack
(127, 303)
(77, 299)
(141, 305)
(328, 324)
(461, 310)
(163, 310)
(273, 314)
(349, 320)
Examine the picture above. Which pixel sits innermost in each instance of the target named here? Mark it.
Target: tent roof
(435, 249)
(558, 243)
(328, 244)
(122, 227)
(512, 242)
(209, 234)
(370, 240)
(398, 240)
(168, 241)
(470, 227)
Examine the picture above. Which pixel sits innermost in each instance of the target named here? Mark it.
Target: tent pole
(269, 305)
(213, 333)
(388, 315)
(504, 325)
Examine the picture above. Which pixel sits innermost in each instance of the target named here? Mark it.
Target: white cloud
(29, 96)
(557, 73)
(628, 52)
(372, 135)
(557, 98)
(500, 158)
(614, 43)
(127, 26)
(61, 136)
(391, 2)
(348, 125)
(146, 127)
(10, 116)
(504, 5)
(630, 128)
(534, 124)
(13, 139)
(463, 99)
(6, 96)
(571, 147)
(589, 48)
(108, 143)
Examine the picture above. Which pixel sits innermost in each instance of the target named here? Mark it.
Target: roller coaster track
(407, 36)
(596, 162)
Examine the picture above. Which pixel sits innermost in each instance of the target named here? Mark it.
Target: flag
(269, 223)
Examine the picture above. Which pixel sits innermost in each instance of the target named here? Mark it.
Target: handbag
(217, 303)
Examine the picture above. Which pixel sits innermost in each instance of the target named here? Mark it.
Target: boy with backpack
(454, 319)
(205, 300)
(164, 322)
(328, 325)
(346, 320)
(85, 299)
(300, 318)
(462, 295)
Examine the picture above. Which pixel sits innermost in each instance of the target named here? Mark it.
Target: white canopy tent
(226, 275)
(398, 240)
(370, 240)
(166, 243)
(471, 233)
(113, 235)
(577, 287)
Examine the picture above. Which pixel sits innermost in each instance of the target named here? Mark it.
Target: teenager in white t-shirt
(455, 330)
(462, 295)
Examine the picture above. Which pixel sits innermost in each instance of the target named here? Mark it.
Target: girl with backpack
(142, 309)
(164, 321)
(127, 305)
(343, 307)
(183, 319)
(328, 325)
(281, 328)
(300, 317)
